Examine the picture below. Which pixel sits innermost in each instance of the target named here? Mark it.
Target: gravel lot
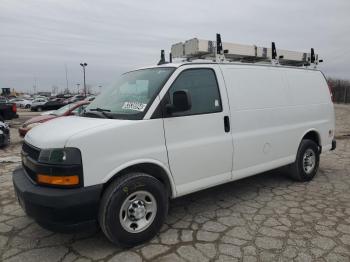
(262, 218)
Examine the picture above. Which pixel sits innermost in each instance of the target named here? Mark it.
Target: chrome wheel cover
(138, 211)
(309, 161)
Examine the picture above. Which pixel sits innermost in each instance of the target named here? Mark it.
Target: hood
(55, 133)
(38, 119)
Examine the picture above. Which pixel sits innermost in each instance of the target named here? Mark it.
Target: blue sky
(38, 38)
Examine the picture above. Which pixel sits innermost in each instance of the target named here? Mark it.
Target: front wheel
(307, 161)
(133, 209)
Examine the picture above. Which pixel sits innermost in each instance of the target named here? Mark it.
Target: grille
(31, 151)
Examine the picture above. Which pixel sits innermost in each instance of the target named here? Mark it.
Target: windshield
(131, 96)
(61, 111)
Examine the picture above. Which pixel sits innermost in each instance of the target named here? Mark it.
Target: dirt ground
(267, 217)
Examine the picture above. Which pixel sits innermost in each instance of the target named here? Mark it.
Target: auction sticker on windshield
(136, 106)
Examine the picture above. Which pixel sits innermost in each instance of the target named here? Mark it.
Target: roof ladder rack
(218, 51)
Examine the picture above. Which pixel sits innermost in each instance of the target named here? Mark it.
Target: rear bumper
(10, 116)
(55, 208)
(334, 144)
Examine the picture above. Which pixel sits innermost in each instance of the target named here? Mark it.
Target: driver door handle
(227, 124)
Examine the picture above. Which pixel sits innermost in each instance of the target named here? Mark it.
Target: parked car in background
(37, 102)
(41, 97)
(4, 134)
(90, 98)
(3, 99)
(75, 98)
(25, 103)
(11, 97)
(8, 110)
(67, 110)
(53, 104)
(20, 102)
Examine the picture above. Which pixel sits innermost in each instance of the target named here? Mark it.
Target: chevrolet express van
(167, 131)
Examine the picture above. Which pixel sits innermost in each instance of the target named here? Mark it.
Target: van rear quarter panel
(272, 108)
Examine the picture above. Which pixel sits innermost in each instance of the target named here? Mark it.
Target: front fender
(137, 162)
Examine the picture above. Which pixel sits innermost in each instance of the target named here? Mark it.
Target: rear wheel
(39, 109)
(307, 161)
(27, 106)
(133, 209)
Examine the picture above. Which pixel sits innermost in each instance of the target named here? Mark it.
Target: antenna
(219, 55)
(273, 50)
(312, 55)
(274, 59)
(162, 58)
(218, 44)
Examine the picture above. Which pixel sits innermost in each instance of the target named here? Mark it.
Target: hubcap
(309, 161)
(138, 211)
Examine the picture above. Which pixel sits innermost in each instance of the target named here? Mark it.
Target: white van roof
(177, 64)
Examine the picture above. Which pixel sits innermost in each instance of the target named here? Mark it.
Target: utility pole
(34, 86)
(84, 65)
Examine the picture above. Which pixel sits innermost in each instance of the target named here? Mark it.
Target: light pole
(34, 86)
(84, 65)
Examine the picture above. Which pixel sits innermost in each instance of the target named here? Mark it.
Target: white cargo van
(166, 131)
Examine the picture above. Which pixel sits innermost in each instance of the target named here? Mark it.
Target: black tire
(297, 170)
(27, 106)
(39, 109)
(113, 199)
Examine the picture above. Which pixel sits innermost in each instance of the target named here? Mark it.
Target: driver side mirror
(181, 102)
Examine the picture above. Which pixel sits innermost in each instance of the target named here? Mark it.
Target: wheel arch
(151, 167)
(313, 135)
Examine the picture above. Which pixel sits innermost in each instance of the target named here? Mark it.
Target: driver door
(198, 141)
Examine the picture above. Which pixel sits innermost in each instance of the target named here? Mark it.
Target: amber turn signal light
(58, 180)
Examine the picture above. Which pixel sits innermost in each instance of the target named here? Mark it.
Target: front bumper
(58, 209)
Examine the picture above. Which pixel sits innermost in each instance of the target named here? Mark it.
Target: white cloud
(38, 38)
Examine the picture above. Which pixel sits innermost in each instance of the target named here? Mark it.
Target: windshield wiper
(98, 109)
(102, 111)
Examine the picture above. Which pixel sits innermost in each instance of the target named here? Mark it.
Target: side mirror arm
(169, 108)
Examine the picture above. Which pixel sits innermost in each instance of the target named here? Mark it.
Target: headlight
(30, 126)
(60, 156)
